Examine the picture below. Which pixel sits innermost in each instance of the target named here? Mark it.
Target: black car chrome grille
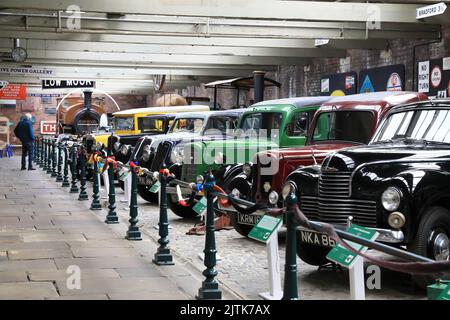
(337, 210)
(334, 184)
(162, 154)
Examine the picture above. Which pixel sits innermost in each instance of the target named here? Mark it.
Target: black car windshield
(153, 124)
(416, 125)
(355, 126)
(194, 125)
(251, 124)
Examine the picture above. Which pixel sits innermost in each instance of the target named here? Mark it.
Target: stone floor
(53, 247)
(44, 230)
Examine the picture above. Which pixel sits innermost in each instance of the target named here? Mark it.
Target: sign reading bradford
(432, 10)
(61, 84)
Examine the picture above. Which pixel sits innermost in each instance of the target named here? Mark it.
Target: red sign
(13, 91)
(48, 127)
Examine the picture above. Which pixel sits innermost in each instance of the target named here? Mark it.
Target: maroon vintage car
(348, 121)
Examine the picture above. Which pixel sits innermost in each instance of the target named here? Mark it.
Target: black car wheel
(178, 209)
(144, 192)
(244, 190)
(311, 254)
(432, 240)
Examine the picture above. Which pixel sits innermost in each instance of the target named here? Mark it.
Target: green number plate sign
(343, 256)
(445, 295)
(200, 206)
(265, 228)
(155, 187)
(123, 173)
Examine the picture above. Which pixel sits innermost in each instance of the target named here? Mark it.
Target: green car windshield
(251, 124)
(354, 126)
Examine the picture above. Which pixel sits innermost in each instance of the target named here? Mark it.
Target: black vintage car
(149, 125)
(151, 151)
(399, 184)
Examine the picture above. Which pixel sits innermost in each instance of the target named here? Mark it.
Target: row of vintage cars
(382, 158)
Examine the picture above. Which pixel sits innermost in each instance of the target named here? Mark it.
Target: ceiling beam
(257, 29)
(195, 41)
(256, 9)
(82, 68)
(149, 58)
(61, 45)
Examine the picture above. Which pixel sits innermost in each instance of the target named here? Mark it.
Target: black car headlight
(247, 169)
(124, 149)
(146, 153)
(287, 188)
(116, 146)
(391, 198)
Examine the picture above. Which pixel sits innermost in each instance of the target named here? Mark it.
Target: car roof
(231, 112)
(297, 101)
(192, 114)
(171, 109)
(380, 99)
(429, 103)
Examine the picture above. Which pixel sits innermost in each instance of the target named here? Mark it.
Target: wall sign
(13, 91)
(388, 78)
(338, 84)
(61, 84)
(433, 77)
(431, 10)
(48, 127)
(36, 71)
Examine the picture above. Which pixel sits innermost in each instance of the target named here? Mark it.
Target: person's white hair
(28, 116)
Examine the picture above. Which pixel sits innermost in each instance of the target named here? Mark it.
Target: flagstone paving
(48, 237)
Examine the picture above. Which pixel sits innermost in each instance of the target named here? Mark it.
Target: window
(353, 126)
(253, 123)
(124, 123)
(299, 124)
(187, 125)
(223, 124)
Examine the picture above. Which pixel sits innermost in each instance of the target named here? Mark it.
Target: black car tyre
(311, 254)
(432, 236)
(144, 192)
(244, 188)
(178, 209)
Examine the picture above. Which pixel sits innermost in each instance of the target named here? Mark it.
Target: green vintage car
(265, 125)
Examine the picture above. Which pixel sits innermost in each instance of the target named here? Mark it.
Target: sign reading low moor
(48, 127)
(63, 84)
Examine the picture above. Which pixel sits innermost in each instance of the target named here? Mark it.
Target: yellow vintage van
(127, 122)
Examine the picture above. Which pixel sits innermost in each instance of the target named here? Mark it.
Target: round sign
(436, 76)
(338, 93)
(394, 82)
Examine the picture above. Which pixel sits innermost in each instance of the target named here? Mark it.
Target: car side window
(299, 125)
(223, 125)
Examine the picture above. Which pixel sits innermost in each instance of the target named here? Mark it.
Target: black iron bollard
(42, 158)
(54, 159)
(59, 177)
(83, 163)
(41, 152)
(290, 291)
(73, 169)
(133, 232)
(210, 287)
(162, 255)
(36, 150)
(96, 205)
(112, 215)
(65, 182)
(44, 154)
(49, 157)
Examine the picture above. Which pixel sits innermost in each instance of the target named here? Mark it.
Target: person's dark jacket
(24, 131)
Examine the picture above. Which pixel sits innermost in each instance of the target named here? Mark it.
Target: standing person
(24, 131)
